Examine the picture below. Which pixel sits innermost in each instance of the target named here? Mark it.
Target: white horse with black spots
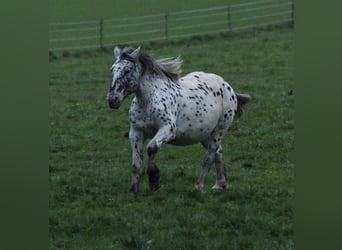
(196, 108)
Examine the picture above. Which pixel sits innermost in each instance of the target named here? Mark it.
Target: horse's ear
(117, 52)
(135, 53)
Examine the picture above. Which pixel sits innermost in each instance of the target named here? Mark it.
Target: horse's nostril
(114, 102)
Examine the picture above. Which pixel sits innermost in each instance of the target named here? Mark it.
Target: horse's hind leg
(221, 179)
(207, 162)
(214, 154)
(213, 145)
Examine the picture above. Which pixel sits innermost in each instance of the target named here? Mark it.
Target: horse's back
(200, 77)
(214, 88)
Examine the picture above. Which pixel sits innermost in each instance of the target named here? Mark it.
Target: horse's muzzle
(114, 102)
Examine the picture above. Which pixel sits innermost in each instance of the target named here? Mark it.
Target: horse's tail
(242, 100)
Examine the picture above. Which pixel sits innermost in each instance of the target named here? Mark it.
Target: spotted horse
(196, 108)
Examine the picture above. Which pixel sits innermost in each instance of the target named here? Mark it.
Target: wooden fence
(170, 25)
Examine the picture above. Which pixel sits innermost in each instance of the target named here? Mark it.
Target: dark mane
(168, 67)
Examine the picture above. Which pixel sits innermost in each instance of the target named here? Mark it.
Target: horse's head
(126, 72)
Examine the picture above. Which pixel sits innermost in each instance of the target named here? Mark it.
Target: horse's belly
(187, 140)
(192, 132)
(196, 121)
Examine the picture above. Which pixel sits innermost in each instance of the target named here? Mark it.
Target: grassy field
(90, 161)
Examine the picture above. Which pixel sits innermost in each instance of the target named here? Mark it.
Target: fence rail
(169, 25)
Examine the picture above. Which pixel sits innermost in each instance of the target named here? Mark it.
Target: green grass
(90, 157)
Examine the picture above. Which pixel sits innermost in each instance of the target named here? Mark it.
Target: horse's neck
(149, 87)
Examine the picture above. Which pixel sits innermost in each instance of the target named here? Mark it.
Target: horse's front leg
(137, 139)
(164, 135)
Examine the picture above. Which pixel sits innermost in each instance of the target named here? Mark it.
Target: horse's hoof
(155, 186)
(220, 186)
(154, 179)
(217, 187)
(199, 188)
(133, 189)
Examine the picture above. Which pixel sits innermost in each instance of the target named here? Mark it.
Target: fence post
(292, 14)
(101, 33)
(166, 26)
(229, 19)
